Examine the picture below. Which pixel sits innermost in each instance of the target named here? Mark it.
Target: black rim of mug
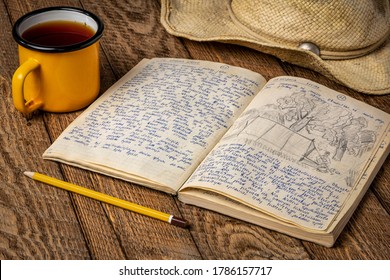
(18, 38)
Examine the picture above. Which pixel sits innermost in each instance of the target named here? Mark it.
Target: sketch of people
(323, 162)
(296, 123)
(349, 137)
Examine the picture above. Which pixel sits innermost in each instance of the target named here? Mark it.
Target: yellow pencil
(108, 199)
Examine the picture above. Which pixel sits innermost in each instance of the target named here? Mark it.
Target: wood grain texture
(221, 237)
(35, 223)
(381, 185)
(41, 222)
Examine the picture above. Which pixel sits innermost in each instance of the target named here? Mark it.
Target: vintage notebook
(288, 154)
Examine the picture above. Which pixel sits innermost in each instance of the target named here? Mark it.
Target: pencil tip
(29, 174)
(179, 222)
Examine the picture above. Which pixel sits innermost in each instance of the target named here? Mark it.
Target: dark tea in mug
(58, 33)
(59, 60)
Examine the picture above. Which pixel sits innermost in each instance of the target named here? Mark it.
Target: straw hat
(343, 39)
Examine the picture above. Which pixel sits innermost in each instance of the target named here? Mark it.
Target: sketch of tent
(283, 139)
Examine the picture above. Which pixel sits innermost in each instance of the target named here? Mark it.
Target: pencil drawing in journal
(288, 154)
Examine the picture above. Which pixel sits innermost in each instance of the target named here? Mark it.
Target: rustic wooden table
(42, 222)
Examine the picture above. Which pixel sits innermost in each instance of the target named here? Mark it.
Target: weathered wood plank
(366, 236)
(221, 237)
(381, 185)
(36, 223)
(106, 238)
(41, 222)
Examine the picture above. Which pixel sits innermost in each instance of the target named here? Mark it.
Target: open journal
(288, 154)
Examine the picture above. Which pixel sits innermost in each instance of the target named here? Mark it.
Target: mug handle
(18, 84)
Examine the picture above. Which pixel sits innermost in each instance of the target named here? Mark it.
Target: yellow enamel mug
(56, 74)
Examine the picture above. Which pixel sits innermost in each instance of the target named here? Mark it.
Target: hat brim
(209, 20)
